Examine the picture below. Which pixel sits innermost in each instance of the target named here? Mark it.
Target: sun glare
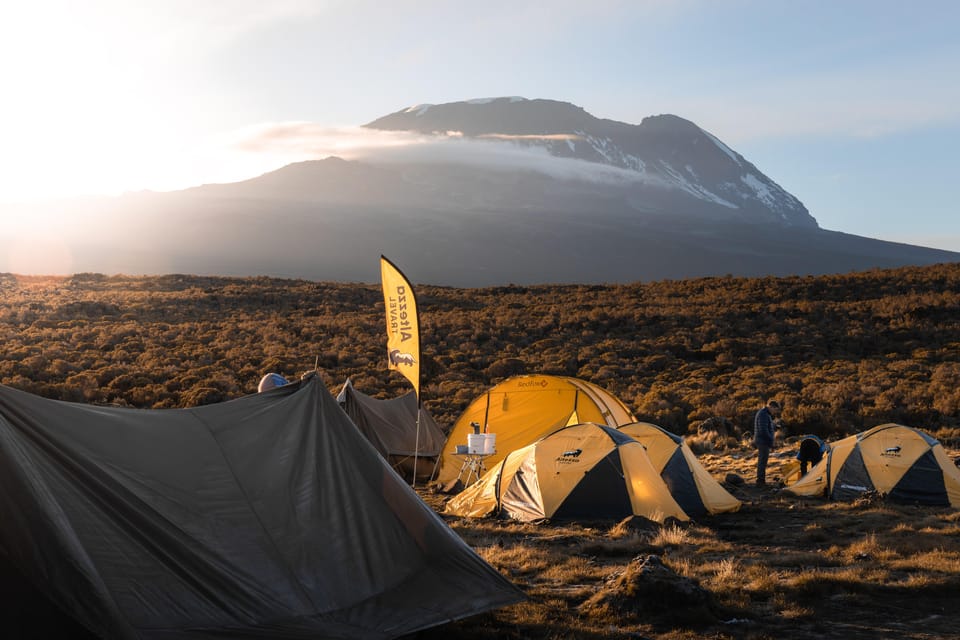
(98, 110)
(46, 254)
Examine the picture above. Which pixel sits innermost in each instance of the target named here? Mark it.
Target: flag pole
(403, 335)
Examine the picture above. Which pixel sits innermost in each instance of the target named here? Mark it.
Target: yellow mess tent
(585, 471)
(692, 486)
(902, 463)
(523, 409)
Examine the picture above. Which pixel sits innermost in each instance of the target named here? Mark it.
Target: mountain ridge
(565, 201)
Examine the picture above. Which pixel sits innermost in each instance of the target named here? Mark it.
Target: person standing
(764, 426)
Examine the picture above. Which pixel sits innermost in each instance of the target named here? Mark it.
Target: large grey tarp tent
(268, 516)
(391, 427)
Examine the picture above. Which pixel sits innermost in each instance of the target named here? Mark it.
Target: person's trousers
(763, 454)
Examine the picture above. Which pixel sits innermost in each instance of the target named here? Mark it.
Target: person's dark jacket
(763, 428)
(811, 449)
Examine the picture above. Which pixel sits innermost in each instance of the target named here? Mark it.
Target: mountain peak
(483, 116)
(663, 152)
(420, 109)
(667, 121)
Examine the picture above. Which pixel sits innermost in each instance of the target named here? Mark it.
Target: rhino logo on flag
(398, 357)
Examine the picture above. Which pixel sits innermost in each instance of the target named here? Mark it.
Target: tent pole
(486, 413)
(436, 466)
(416, 449)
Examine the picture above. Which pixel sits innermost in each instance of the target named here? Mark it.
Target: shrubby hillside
(844, 352)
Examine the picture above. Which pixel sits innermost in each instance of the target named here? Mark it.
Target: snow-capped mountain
(664, 152)
(487, 192)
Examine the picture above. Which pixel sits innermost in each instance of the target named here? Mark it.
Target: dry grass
(781, 567)
(669, 537)
(866, 548)
(948, 437)
(939, 561)
(710, 442)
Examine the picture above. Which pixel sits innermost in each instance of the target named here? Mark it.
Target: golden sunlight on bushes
(843, 352)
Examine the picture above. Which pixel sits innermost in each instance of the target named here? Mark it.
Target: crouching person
(810, 453)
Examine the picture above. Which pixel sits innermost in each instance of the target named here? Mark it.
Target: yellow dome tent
(523, 409)
(585, 471)
(692, 486)
(902, 463)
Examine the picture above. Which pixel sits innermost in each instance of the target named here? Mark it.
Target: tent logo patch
(855, 487)
(398, 357)
(891, 452)
(533, 383)
(570, 457)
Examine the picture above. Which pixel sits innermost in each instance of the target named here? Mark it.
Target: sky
(852, 106)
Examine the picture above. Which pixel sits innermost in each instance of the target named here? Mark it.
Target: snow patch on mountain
(489, 100)
(418, 109)
(602, 146)
(693, 188)
(762, 190)
(613, 154)
(664, 174)
(727, 150)
(772, 195)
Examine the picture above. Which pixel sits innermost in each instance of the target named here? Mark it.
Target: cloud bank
(297, 141)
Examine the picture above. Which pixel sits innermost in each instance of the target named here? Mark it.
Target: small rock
(648, 589)
(734, 480)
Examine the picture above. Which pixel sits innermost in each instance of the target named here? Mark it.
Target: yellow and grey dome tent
(523, 409)
(584, 471)
(902, 463)
(692, 486)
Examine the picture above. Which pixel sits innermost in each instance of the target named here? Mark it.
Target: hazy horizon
(849, 107)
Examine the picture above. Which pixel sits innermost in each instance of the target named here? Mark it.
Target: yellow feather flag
(403, 323)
